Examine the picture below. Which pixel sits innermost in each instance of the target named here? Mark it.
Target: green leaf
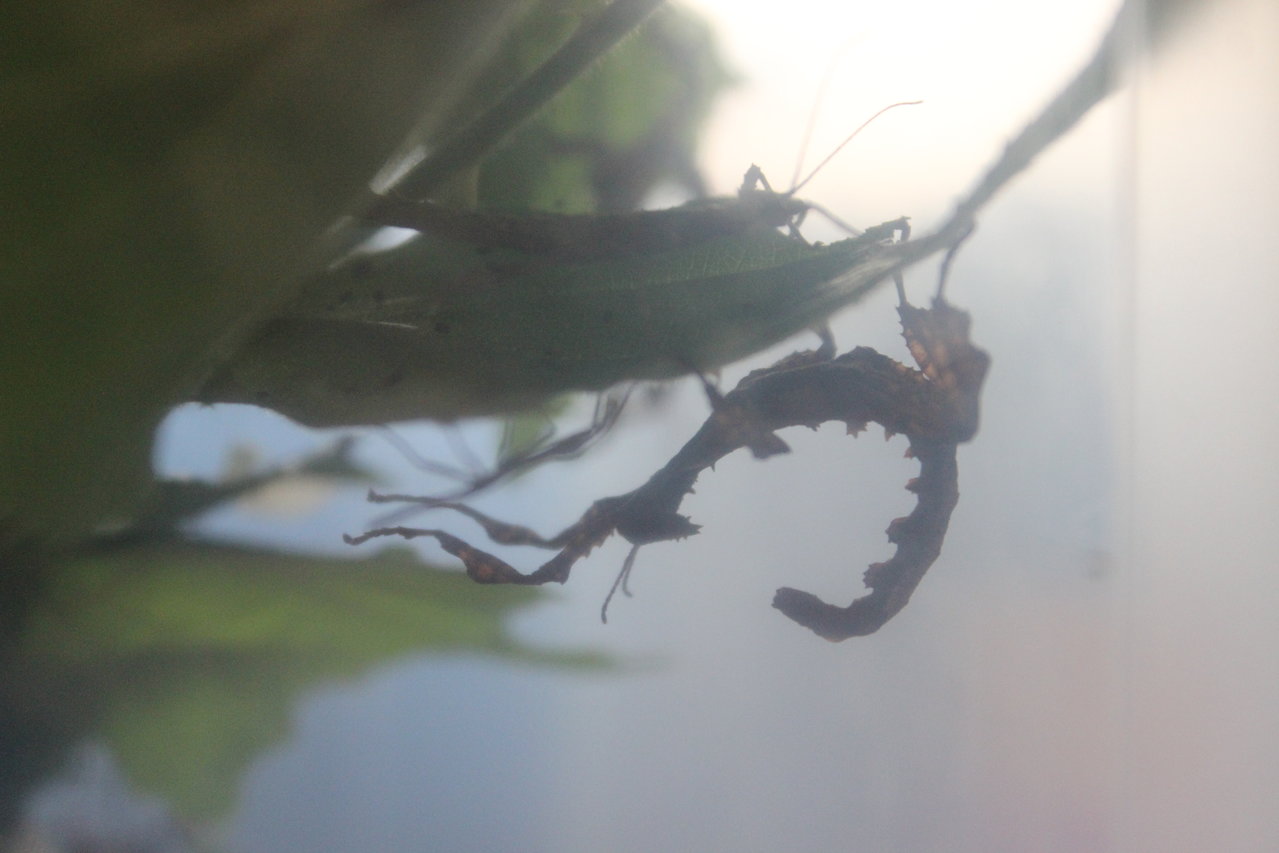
(436, 329)
(166, 175)
(187, 659)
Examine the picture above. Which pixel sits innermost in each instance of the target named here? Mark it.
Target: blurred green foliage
(186, 658)
(592, 156)
(168, 171)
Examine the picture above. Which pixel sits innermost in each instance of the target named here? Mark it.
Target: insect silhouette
(580, 237)
(488, 312)
(935, 405)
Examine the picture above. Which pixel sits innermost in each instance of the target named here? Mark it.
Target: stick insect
(922, 403)
(748, 222)
(936, 406)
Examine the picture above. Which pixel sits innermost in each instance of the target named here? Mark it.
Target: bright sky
(980, 67)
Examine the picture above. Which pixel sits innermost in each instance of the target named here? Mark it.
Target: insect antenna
(796, 188)
(816, 107)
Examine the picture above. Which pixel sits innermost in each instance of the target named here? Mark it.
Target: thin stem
(1090, 85)
(1087, 88)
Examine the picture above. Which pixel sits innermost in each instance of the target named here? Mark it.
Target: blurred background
(1089, 666)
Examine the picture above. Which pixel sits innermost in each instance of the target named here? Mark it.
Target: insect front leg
(597, 524)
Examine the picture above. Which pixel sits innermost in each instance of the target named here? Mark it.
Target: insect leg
(949, 257)
(623, 578)
(607, 411)
(596, 524)
(481, 566)
(500, 532)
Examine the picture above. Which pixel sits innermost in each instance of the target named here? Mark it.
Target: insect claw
(910, 452)
(854, 428)
(912, 485)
